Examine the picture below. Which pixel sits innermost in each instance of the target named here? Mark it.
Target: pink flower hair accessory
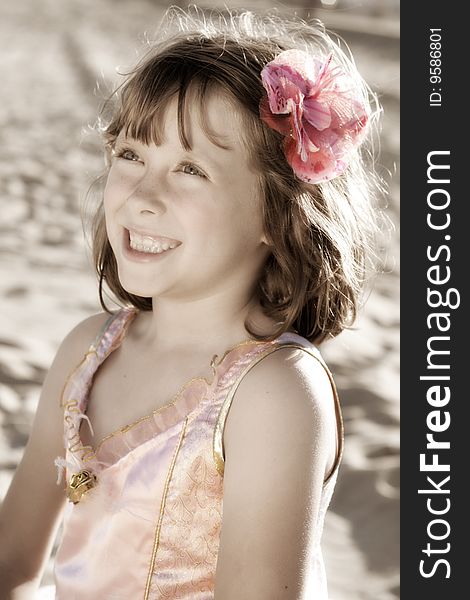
(317, 107)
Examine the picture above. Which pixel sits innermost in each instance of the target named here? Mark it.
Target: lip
(154, 236)
(144, 257)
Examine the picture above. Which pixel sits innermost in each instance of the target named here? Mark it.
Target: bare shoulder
(296, 373)
(280, 443)
(90, 325)
(289, 389)
(73, 348)
(76, 343)
(69, 354)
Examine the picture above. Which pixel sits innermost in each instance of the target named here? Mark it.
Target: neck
(202, 323)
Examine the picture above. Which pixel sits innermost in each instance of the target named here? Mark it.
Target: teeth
(144, 243)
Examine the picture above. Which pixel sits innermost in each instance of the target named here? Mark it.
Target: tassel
(83, 416)
(61, 463)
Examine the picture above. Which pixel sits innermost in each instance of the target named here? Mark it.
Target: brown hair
(320, 235)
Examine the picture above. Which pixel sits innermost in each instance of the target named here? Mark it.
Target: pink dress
(150, 526)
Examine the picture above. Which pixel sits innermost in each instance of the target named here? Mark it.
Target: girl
(198, 440)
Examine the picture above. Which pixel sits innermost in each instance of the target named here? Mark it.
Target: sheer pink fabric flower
(317, 107)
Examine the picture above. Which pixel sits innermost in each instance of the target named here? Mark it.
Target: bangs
(145, 97)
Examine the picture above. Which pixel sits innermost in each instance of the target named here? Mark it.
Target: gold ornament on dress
(79, 484)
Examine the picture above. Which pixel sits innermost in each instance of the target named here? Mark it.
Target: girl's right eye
(126, 154)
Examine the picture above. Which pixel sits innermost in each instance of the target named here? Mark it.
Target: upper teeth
(145, 243)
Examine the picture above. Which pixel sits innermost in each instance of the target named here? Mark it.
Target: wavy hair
(321, 236)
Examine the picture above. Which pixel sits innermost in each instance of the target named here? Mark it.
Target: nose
(147, 196)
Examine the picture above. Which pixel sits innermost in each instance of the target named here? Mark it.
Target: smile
(151, 244)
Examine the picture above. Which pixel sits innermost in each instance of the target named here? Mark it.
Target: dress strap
(112, 332)
(75, 393)
(96, 342)
(218, 445)
(107, 339)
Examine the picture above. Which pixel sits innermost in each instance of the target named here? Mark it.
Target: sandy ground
(52, 55)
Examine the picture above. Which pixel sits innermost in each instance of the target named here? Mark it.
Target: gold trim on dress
(73, 373)
(218, 444)
(214, 363)
(86, 451)
(129, 426)
(162, 510)
(82, 481)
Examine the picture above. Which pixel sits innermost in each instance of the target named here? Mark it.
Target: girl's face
(186, 224)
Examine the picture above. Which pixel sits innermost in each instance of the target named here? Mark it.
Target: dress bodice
(149, 526)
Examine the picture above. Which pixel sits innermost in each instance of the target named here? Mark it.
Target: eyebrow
(221, 142)
(210, 158)
(216, 140)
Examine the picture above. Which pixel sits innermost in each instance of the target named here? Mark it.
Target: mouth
(144, 245)
(155, 244)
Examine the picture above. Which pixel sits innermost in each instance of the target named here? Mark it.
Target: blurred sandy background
(53, 53)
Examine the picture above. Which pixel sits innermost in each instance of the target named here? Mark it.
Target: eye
(126, 154)
(190, 169)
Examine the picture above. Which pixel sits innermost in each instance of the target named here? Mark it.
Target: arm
(279, 446)
(31, 511)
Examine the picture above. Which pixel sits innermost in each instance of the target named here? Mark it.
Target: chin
(136, 287)
(136, 291)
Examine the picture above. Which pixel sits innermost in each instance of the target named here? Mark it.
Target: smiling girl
(200, 434)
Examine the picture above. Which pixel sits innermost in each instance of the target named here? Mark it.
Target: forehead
(214, 118)
(145, 114)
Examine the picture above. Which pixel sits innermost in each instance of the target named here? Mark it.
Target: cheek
(248, 217)
(117, 185)
(107, 195)
(110, 189)
(111, 207)
(113, 195)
